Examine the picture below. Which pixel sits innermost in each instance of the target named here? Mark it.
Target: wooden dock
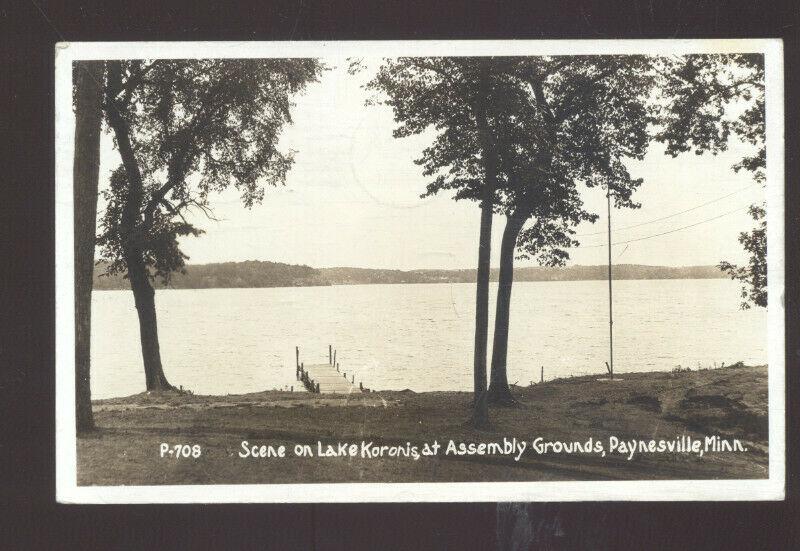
(327, 378)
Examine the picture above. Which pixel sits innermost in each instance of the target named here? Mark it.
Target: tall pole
(610, 295)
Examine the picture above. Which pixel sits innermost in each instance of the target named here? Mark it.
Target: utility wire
(666, 232)
(669, 215)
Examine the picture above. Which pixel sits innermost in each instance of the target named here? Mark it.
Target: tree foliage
(449, 95)
(754, 274)
(584, 116)
(555, 121)
(196, 127)
(708, 99)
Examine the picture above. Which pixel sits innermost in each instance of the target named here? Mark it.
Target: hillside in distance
(254, 273)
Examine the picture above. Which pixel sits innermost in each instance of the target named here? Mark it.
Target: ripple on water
(219, 341)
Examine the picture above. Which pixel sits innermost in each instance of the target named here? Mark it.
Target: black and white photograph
(420, 271)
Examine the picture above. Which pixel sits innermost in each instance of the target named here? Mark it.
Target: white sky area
(352, 199)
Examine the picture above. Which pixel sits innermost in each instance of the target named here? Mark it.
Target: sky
(352, 198)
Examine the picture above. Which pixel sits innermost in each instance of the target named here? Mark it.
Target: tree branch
(118, 123)
(133, 81)
(538, 92)
(179, 163)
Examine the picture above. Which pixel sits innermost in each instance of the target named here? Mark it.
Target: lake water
(220, 341)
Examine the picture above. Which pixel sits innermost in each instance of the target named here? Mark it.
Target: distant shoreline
(258, 274)
(162, 288)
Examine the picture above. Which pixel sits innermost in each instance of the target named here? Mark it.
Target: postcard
(419, 271)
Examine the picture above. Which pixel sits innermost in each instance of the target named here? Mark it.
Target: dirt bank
(729, 402)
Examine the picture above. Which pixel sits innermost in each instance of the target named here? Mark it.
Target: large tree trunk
(480, 415)
(499, 393)
(144, 297)
(131, 226)
(88, 76)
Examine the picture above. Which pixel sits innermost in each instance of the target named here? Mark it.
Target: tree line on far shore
(519, 137)
(255, 274)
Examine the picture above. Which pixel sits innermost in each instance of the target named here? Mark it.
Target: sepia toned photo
(420, 271)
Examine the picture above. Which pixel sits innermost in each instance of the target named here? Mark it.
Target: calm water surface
(220, 341)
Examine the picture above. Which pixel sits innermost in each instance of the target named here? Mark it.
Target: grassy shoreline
(729, 402)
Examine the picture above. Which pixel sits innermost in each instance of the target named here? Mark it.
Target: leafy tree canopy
(709, 99)
(584, 116)
(554, 122)
(195, 127)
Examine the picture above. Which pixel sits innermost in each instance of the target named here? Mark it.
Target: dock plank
(331, 381)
